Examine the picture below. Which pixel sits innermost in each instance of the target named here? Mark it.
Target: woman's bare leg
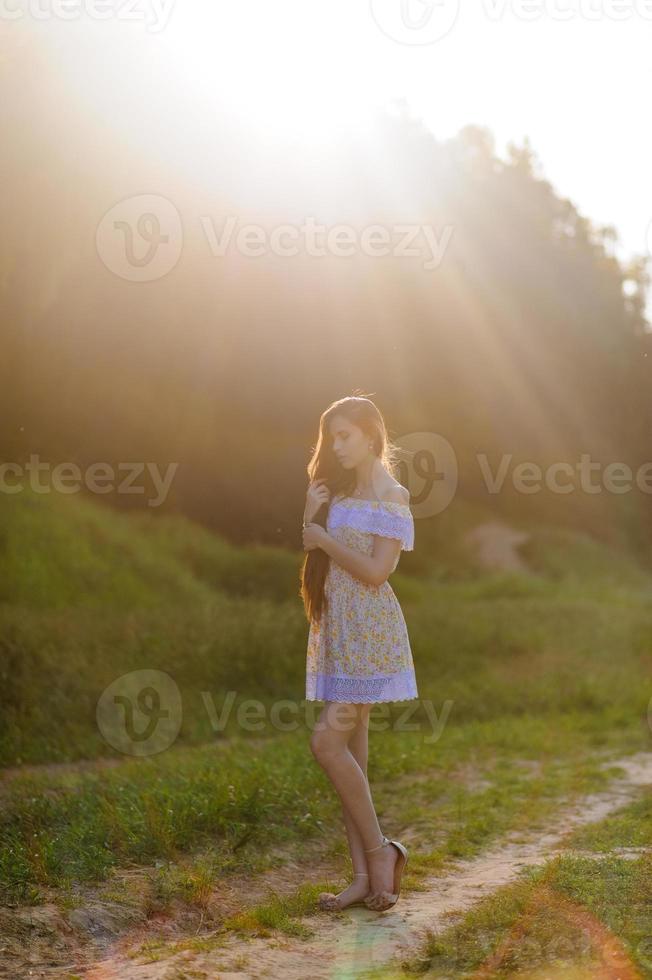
(329, 744)
(359, 748)
(359, 887)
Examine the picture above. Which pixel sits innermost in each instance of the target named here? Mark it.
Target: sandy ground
(347, 944)
(495, 546)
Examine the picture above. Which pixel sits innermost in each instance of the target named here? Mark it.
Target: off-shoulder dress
(360, 650)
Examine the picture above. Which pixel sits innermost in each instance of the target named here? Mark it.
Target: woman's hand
(313, 536)
(317, 494)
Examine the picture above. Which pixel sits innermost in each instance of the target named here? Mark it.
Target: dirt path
(351, 943)
(495, 546)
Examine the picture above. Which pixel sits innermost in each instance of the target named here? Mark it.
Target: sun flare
(283, 74)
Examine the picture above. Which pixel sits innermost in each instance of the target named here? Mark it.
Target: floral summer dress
(360, 651)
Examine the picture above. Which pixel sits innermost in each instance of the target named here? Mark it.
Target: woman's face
(350, 444)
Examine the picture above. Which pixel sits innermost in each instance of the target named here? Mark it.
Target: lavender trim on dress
(375, 521)
(361, 690)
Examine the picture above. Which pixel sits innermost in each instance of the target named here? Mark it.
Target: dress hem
(369, 689)
(363, 700)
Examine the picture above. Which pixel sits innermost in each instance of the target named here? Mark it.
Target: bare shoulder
(396, 494)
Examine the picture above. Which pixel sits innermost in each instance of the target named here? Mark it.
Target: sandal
(389, 898)
(328, 902)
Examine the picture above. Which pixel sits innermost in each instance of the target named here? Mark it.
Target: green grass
(569, 917)
(488, 655)
(489, 643)
(241, 800)
(259, 571)
(549, 668)
(629, 827)
(578, 560)
(572, 914)
(57, 553)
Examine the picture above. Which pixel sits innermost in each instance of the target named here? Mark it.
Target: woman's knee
(329, 740)
(315, 743)
(323, 743)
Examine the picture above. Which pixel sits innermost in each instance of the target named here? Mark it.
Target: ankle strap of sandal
(385, 842)
(360, 874)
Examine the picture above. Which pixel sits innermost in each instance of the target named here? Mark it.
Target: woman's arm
(376, 568)
(373, 569)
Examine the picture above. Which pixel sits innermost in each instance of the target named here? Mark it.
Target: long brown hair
(324, 465)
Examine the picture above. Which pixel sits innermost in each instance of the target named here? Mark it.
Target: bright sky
(574, 76)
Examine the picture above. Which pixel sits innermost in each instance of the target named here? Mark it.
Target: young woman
(356, 521)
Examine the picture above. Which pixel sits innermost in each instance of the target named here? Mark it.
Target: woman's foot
(353, 895)
(381, 861)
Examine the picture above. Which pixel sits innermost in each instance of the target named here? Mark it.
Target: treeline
(523, 335)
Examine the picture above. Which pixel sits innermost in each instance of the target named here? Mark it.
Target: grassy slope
(552, 666)
(88, 594)
(58, 551)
